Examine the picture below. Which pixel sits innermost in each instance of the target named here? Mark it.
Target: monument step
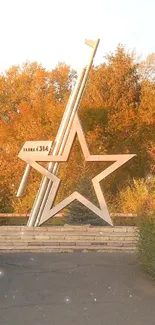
(67, 229)
(66, 238)
(66, 243)
(67, 249)
(64, 233)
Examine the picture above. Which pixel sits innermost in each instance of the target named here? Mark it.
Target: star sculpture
(49, 208)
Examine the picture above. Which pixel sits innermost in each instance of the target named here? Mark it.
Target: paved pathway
(74, 288)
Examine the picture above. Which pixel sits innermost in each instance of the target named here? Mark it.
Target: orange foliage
(118, 112)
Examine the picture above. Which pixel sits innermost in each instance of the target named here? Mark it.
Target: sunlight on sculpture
(39, 151)
(49, 209)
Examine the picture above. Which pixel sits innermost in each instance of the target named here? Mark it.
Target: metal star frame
(49, 209)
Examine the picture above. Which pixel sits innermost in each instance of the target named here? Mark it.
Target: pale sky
(50, 31)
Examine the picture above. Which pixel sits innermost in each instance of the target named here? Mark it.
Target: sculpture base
(67, 239)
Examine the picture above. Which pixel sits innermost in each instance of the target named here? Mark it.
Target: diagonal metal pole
(61, 138)
(57, 143)
(74, 110)
(63, 132)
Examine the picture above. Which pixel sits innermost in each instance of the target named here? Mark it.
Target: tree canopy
(117, 113)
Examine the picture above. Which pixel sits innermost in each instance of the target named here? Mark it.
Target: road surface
(74, 288)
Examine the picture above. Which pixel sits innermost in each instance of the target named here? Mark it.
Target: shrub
(146, 242)
(80, 215)
(132, 197)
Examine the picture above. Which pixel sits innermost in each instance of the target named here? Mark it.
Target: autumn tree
(146, 68)
(117, 113)
(30, 109)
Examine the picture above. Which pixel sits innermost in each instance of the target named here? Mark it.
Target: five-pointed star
(49, 209)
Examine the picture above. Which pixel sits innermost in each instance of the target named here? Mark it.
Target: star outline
(49, 210)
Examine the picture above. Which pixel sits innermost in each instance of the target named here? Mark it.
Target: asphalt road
(75, 288)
